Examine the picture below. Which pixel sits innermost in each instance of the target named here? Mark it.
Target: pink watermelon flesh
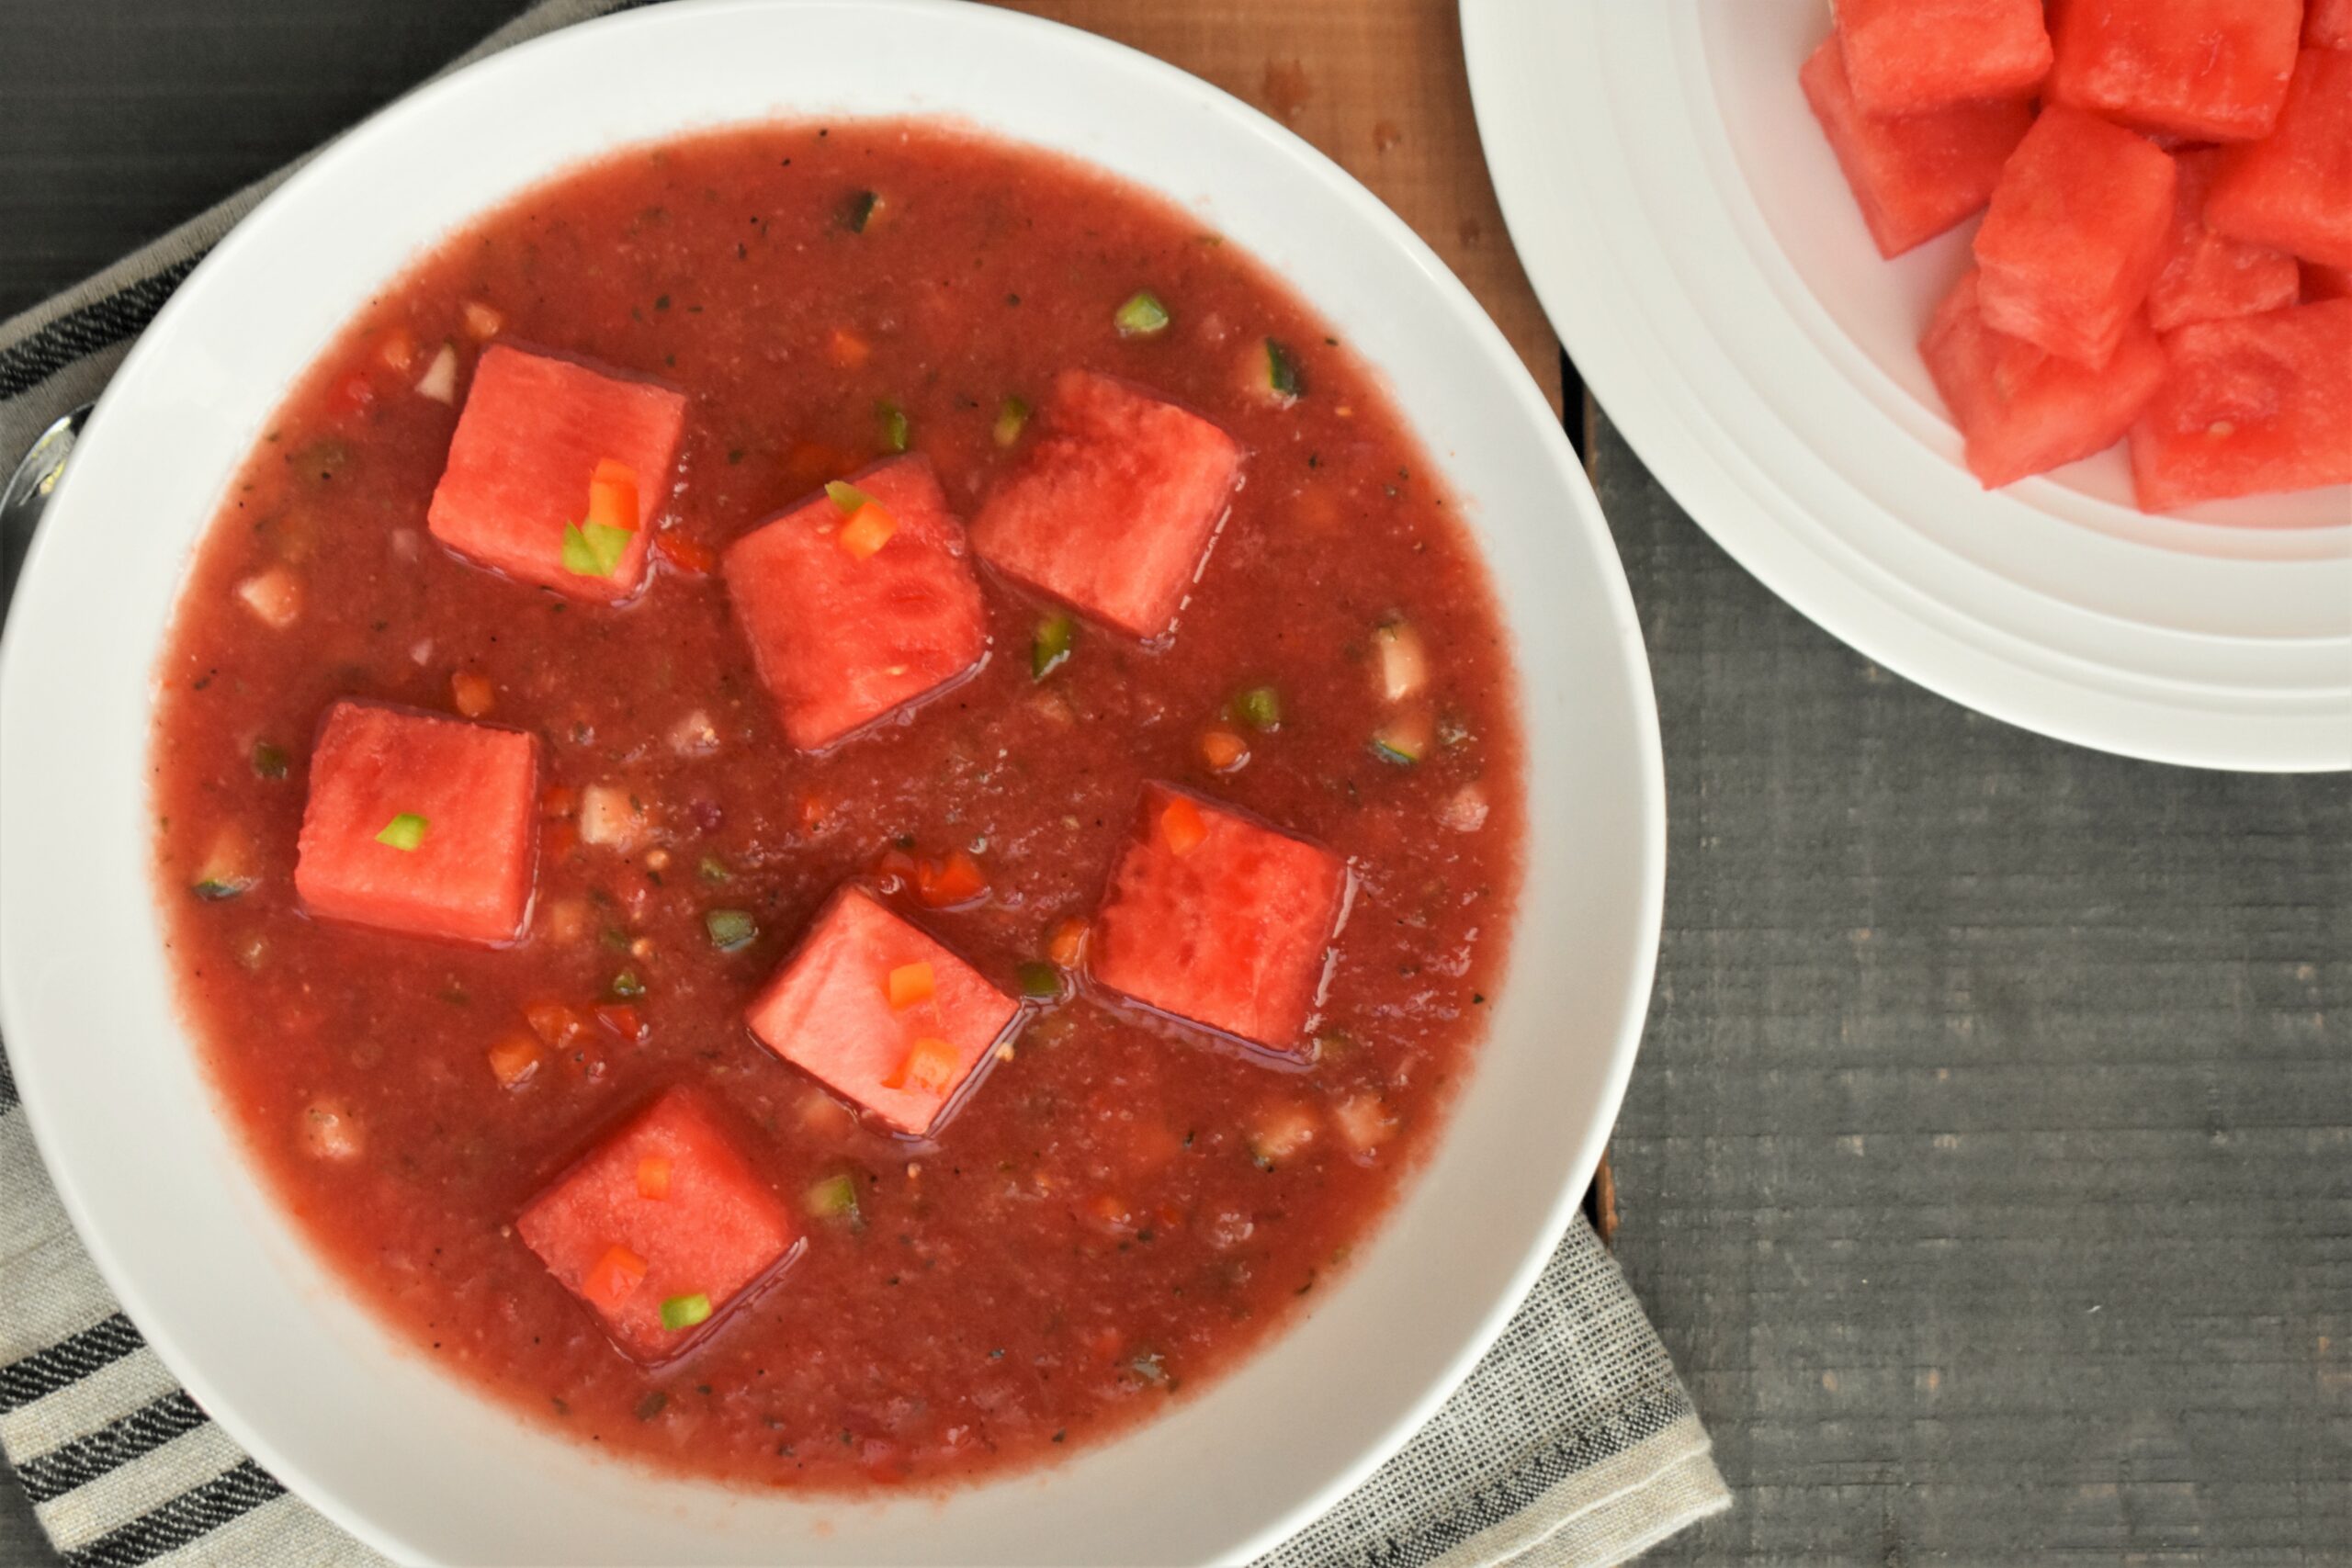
(2206, 275)
(468, 877)
(2294, 190)
(842, 641)
(828, 1010)
(2075, 232)
(2250, 405)
(1233, 933)
(533, 431)
(715, 1231)
(2209, 70)
(2327, 24)
(1906, 57)
(2022, 410)
(1114, 505)
(1916, 177)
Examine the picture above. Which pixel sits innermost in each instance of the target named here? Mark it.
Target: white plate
(411, 1461)
(1688, 230)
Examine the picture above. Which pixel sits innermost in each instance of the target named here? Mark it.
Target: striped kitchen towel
(1571, 1445)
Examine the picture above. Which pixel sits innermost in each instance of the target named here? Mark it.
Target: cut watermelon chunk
(2327, 24)
(2324, 282)
(2251, 404)
(694, 1241)
(1217, 919)
(2293, 191)
(534, 431)
(829, 1012)
(843, 634)
(1115, 505)
(2075, 232)
(1908, 56)
(2206, 275)
(2023, 409)
(1916, 177)
(2208, 69)
(420, 824)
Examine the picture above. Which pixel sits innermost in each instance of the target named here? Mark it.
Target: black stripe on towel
(87, 1458)
(9, 1098)
(69, 1361)
(193, 1513)
(79, 334)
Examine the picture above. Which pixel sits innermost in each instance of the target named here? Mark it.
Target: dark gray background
(1988, 1168)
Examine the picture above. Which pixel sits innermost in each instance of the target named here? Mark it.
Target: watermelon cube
(420, 824)
(881, 1012)
(1917, 175)
(2327, 24)
(2251, 404)
(1114, 505)
(1907, 56)
(2022, 410)
(857, 607)
(1220, 920)
(537, 434)
(2208, 69)
(661, 1228)
(2075, 234)
(2206, 275)
(2294, 190)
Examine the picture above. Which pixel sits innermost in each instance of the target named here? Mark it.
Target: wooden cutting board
(1379, 86)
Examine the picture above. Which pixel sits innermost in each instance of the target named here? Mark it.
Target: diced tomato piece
(943, 884)
(1916, 177)
(2294, 190)
(535, 435)
(2206, 275)
(2252, 404)
(909, 984)
(555, 1022)
(684, 552)
(2075, 232)
(1232, 928)
(712, 1229)
(419, 823)
(1903, 57)
(2208, 69)
(1067, 946)
(472, 694)
(2327, 24)
(513, 1062)
(843, 641)
(2023, 409)
(653, 1177)
(623, 1020)
(828, 1012)
(845, 350)
(1113, 506)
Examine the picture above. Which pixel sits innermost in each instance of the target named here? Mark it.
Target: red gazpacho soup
(837, 803)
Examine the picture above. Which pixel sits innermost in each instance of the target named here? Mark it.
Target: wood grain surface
(1988, 1165)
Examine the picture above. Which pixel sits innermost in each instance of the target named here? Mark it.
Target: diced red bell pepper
(627, 1240)
(2207, 70)
(2022, 410)
(2076, 229)
(829, 1012)
(537, 458)
(2206, 275)
(1113, 504)
(845, 637)
(2250, 405)
(2294, 190)
(1904, 57)
(1219, 920)
(420, 824)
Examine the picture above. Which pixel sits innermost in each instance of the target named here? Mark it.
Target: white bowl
(392, 1448)
(1687, 227)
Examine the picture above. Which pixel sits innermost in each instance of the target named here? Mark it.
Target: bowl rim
(40, 1093)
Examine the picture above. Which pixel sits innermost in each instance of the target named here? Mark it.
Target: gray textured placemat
(1571, 1444)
